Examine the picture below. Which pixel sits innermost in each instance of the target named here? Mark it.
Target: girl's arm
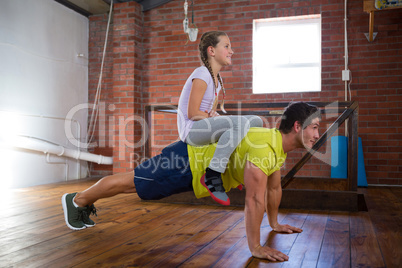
(198, 89)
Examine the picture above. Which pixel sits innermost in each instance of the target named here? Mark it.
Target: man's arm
(255, 182)
(273, 197)
(273, 200)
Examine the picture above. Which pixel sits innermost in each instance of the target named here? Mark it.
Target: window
(287, 54)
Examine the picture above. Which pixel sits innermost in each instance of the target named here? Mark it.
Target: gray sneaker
(72, 214)
(85, 215)
(212, 181)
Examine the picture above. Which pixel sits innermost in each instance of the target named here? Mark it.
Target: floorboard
(365, 250)
(335, 249)
(133, 233)
(306, 249)
(386, 216)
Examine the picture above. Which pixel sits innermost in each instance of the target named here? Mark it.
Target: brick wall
(118, 131)
(127, 77)
(168, 60)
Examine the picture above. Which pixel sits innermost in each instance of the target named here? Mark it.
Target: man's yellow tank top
(261, 146)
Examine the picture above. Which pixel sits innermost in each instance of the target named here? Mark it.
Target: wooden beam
(321, 200)
(74, 7)
(368, 6)
(371, 26)
(353, 150)
(242, 105)
(148, 122)
(291, 199)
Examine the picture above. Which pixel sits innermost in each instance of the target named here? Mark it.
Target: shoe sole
(227, 203)
(64, 204)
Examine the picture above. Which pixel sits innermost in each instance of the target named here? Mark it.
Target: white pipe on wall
(46, 147)
(78, 127)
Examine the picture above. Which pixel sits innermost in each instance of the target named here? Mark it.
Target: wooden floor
(132, 233)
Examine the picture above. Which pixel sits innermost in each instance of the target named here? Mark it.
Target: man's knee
(127, 180)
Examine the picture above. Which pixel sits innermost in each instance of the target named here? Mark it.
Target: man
(255, 164)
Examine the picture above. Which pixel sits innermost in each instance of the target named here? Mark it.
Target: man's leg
(78, 206)
(106, 187)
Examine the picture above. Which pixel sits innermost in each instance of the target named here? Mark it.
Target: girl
(197, 119)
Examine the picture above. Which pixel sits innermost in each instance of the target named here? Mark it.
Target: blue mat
(339, 160)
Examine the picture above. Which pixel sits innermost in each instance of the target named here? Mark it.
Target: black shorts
(165, 174)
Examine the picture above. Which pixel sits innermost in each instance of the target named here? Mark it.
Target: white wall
(41, 80)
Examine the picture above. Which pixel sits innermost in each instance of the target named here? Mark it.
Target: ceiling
(95, 7)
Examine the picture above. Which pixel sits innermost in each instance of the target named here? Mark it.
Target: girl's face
(222, 52)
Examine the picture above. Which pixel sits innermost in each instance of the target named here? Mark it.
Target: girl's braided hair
(208, 39)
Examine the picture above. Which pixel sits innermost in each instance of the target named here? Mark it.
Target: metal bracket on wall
(368, 36)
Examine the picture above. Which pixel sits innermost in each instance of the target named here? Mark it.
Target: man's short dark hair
(301, 112)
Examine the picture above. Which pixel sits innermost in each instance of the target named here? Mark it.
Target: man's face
(310, 134)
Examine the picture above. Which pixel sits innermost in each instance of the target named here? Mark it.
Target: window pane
(287, 55)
